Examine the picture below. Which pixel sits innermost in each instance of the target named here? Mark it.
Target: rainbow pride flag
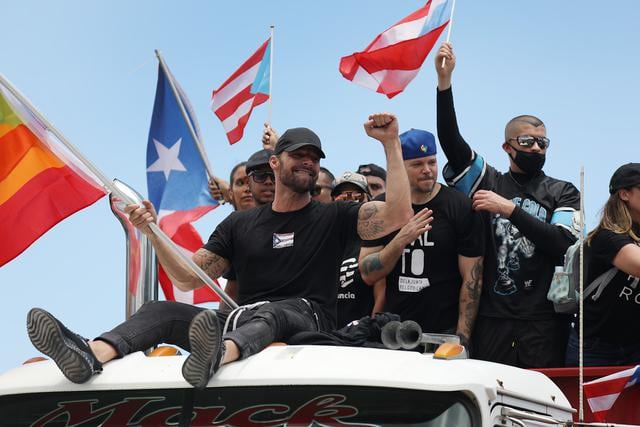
(40, 185)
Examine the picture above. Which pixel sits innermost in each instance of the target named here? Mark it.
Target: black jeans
(168, 322)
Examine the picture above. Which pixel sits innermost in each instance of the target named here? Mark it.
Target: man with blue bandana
(532, 220)
(433, 265)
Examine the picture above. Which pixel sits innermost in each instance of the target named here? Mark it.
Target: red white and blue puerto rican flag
(602, 393)
(246, 88)
(394, 58)
(177, 180)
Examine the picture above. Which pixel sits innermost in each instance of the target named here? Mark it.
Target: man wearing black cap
(261, 178)
(531, 221)
(285, 254)
(433, 265)
(376, 178)
(260, 182)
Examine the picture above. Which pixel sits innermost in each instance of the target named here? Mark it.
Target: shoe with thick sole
(68, 350)
(207, 349)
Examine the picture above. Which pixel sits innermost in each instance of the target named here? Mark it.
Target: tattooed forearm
(212, 264)
(470, 298)
(475, 284)
(371, 263)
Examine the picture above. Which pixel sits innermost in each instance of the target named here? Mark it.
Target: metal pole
(453, 8)
(183, 110)
(270, 74)
(119, 194)
(141, 283)
(581, 318)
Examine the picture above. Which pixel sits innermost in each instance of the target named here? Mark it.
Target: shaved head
(512, 129)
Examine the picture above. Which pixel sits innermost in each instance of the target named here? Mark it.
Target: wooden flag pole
(453, 7)
(109, 186)
(183, 110)
(270, 75)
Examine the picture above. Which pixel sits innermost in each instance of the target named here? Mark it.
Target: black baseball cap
(295, 138)
(257, 159)
(373, 170)
(626, 176)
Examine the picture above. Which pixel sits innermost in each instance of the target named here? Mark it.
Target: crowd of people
(307, 251)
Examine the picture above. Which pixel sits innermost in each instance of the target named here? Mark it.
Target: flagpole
(111, 187)
(270, 75)
(581, 303)
(185, 116)
(453, 7)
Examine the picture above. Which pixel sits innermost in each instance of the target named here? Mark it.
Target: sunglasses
(357, 196)
(260, 176)
(528, 141)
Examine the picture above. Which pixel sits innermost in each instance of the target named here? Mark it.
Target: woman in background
(612, 321)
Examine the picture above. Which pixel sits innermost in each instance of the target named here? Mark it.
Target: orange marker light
(449, 350)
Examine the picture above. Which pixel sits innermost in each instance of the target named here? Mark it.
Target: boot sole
(47, 337)
(205, 340)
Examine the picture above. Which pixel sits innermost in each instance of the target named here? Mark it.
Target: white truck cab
(288, 386)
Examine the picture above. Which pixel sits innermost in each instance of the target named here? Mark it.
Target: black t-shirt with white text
(282, 255)
(355, 297)
(424, 285)
(613, 317)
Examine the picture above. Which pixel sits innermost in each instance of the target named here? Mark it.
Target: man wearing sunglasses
(322, 190)
(355, 297)
(256, 179)
(532, 220)
(261, 178)
(285, 255)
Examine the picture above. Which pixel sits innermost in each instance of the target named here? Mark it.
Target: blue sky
(90, 68)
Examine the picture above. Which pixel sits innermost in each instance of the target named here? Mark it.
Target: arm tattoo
(371, 263)
(369, 226)
(475, 284)
(472, 291)
(212, 264)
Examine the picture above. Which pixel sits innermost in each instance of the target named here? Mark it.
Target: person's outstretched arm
(455, 148)
(377, 219)
(179, 272)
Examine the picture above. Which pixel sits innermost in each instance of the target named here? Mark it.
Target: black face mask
(530, 163)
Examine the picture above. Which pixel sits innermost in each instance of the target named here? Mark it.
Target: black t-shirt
(517, 272)
(613, 317)
(286, 255)
(516, 275)
(355, 297)
(424, 285)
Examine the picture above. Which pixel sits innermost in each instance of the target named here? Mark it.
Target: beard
(298, 183)
(424, 186)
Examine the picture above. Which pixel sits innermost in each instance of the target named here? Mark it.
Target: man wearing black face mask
(532, 220)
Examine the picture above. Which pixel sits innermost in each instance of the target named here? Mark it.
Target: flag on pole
(394, 58)
(246, 88)
(41, 183)
(602, 393)
(177, 180)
